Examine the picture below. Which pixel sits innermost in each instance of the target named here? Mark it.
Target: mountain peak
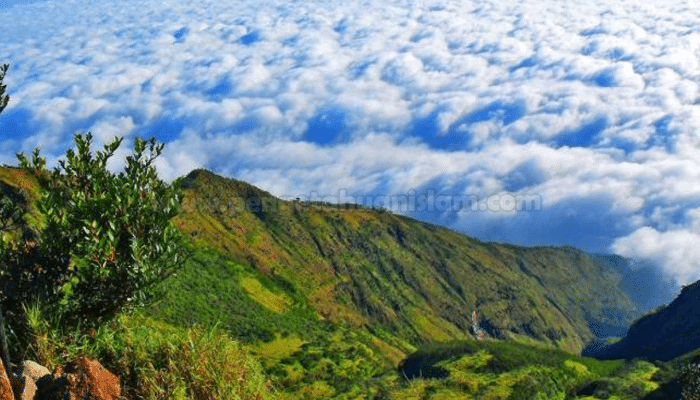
(208, 184)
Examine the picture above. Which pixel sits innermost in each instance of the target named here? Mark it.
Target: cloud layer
(593, 107)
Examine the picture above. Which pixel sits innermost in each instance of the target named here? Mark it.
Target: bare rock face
(5, 387)
(79, 380)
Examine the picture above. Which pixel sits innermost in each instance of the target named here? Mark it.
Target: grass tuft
(155, 360)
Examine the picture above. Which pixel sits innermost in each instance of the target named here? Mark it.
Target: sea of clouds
(590, 107)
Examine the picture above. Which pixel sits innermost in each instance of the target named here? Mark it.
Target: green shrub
(108, 237)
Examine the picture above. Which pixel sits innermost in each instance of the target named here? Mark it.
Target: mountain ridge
(666, 333)
(396, 275)
(365, 260)
(333, 300)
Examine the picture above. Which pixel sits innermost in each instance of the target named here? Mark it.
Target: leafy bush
(103, 241)
(107, 237)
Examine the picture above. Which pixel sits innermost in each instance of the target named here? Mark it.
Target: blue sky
(10, 3)
(590, 108)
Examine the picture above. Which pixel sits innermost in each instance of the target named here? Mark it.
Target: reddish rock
(5, 387)
(80, 380)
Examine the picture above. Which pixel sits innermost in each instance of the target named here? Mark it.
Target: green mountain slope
(370, 268)
(664, 334)
(412, 280)
(332, 300)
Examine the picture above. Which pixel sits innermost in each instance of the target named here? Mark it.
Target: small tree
(105, 240)
(108, 237)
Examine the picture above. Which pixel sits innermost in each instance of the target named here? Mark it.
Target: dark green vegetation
(507, 370)
(105, 238)
(664, 334)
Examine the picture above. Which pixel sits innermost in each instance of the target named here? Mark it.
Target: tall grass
(154, 360)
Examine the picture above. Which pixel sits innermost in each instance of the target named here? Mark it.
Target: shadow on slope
(664, 334)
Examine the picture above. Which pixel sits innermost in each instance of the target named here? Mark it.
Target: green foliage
(210, 289)
(154, 360)
(507, 355)
(107, 238)
(341, 364)
(510, 370)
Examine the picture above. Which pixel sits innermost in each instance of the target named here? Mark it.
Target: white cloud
(588, 105)
(252, 77)
(676, 251)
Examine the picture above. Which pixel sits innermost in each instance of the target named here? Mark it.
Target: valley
(340, 301)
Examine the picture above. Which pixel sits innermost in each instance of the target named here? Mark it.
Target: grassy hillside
(366, 267)
(334, 302)
(413, 280)
(508, 370)
(305, 356)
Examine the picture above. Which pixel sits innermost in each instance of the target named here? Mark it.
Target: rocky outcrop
(82, 379)
(5, 387)
(24, 383)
